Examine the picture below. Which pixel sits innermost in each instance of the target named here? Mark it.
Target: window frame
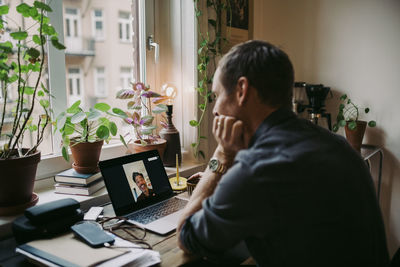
(123, 23)
(97, 76)
(96, 19)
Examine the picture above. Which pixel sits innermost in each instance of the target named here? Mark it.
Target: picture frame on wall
(239, 22)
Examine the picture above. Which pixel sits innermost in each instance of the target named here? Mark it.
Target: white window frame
(126, 77)
(95, 19)
(77, 81)
(123, 23)
(98, 75)
(54, 163)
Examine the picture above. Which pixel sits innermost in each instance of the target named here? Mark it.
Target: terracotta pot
(355, 137)
(17, 179)
(86, 156)
(136, 147)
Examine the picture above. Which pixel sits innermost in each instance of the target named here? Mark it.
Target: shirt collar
(276, 117)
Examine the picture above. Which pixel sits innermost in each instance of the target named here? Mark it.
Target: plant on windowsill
(348, 117)
(22, 59)
(84, 132)
(141, 97)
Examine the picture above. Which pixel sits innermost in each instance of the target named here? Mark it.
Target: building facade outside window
(126, 78)
(75, 86)
(124, 26)
(100, 82)
(98, 24)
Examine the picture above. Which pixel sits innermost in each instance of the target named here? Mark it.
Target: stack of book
(74, 183)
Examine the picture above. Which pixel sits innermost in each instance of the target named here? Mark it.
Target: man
(295, 193)
(141, 183)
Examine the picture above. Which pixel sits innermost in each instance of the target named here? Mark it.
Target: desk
(369, 151)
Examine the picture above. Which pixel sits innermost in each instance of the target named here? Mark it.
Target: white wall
(353, 46)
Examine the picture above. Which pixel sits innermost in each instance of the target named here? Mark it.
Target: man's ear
(242, 90)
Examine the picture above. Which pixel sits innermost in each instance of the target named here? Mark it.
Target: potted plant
(348, 117)
(144, 138)
(85, 132)
(22, 58)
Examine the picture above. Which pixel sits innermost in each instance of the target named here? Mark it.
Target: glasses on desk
(134, 233)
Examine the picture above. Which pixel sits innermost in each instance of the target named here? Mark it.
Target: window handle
(151, 45)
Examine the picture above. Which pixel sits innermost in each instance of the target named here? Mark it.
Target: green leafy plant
(210, 46)
(79, 126)
(349, 114)
(141, 96)
(21, 69)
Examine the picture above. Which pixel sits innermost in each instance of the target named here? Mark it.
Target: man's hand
(230, 135)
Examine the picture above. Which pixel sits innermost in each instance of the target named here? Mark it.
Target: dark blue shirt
(298, 196)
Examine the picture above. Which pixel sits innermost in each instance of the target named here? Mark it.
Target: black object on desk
(367, 152)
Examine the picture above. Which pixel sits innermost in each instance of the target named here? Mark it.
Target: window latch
(151, 45)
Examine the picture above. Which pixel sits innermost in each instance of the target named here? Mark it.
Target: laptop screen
(135, 181)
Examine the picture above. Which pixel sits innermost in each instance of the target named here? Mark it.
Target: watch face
(213, 164)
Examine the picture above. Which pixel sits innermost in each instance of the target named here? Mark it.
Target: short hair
(267, 68)
(134, 174)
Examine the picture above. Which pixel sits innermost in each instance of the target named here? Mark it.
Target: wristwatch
(216, 166)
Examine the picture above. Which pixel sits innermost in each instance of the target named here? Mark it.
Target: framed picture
(239, 22)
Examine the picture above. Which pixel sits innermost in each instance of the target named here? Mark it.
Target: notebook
(139, 189)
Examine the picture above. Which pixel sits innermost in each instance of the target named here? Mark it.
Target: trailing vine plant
(211, 43)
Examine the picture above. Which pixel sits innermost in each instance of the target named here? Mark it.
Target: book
(74, 189)
(74, 177)
(66, 250)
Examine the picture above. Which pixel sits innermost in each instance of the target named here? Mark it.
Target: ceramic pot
(86, 156)
(355, 137)
(159, 144)
(17, 179)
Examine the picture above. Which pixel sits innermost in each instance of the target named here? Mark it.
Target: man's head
(265, 67)
(140, 182)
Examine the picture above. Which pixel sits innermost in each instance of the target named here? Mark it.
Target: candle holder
(171, 134)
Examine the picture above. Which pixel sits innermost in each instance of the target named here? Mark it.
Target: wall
(352, 46)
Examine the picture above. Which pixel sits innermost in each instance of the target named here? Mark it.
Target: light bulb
(170, 91)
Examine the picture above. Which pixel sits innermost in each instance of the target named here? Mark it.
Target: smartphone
(92, 234)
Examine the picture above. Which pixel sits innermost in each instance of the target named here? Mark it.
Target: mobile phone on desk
(92, 234)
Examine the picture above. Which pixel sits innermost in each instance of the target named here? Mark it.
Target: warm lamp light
(169, 132)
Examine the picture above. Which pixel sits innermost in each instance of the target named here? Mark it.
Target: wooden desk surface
(171, 254)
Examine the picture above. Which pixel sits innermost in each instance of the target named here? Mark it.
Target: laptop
(139, 190)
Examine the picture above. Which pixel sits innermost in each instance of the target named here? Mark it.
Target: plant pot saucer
(20, 208)
(85, 170)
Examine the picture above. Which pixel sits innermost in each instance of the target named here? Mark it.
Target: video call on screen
(122, 192)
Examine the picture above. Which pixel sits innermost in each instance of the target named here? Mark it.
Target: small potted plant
(144, 138)
(348, 117)
(27, 115)
(85, 132)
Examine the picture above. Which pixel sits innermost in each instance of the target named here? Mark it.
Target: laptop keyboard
(158, 211)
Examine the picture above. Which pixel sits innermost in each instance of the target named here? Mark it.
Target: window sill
(44, 188)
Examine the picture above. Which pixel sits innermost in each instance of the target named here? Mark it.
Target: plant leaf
(56, 43)
(113, 128)
(123, 141)
(33, 52)
(44, 103)
(366, 110)
(65, 153)
(342, 123)
(42, 6)
(193, 123)
(74, 107)
(4, 10)
(343, 97)
(119, 112)
(372, 123)
(102, 107)
(160, 108)
(103, 132)
(335, 128)
(78, 117)
(352, 125)
(93, 115)
(20, 35)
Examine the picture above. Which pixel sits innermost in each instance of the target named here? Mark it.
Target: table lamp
(169, 132)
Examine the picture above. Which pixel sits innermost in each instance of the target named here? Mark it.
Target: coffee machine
(316, 95)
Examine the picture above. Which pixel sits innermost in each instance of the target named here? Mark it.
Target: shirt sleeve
(230, 215)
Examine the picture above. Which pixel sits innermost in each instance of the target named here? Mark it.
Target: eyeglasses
(136, 233)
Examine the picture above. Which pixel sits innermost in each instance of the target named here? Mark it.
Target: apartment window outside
(100, 82)
(98, 24)
(75, 86)
(126, 77)
(124, 26)
(73, 29)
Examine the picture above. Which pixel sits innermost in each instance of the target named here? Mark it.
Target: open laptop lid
(135, 181)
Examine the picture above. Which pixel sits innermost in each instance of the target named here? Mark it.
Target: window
(124, 26)
(126, 77)
(98, 24)
(100, 82)
(75, 89)
(73, 29)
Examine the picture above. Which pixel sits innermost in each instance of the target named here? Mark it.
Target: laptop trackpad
(165, 224)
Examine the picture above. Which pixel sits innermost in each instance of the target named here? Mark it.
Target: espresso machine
(316, 95)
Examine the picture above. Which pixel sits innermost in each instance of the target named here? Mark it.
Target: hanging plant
(211, 42)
